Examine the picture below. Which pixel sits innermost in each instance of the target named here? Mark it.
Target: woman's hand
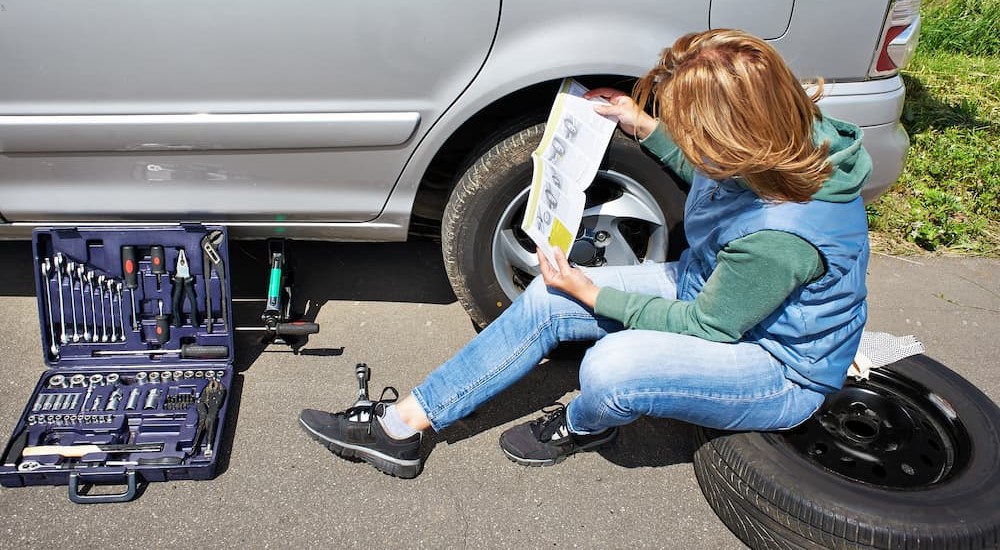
(567, 278)
(634, 121)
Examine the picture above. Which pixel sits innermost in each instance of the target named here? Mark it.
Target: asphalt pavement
(389, 305)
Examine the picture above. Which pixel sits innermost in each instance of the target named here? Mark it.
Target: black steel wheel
(886, 432)
(907, 459)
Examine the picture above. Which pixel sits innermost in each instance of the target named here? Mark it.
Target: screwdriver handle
(130, 267)
(158, 261)
(162, 326)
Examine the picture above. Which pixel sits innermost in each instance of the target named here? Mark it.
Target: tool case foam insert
(126, 399)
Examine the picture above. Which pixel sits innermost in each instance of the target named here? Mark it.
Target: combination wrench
(70, 270)
(93, 304)
(59, 263)
(54, 348)
(109, 285)
(104, 319)
(83, 303)
(121, 315)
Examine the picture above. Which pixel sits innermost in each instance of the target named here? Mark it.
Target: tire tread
(748, 492)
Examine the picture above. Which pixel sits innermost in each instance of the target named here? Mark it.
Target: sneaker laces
(368, 412)
(552, 427)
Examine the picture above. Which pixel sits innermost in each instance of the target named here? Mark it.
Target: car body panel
(835, 39)
(767, 19)
(311, 119)
(134, 111)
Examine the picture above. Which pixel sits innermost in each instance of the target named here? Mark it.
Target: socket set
(135, 330)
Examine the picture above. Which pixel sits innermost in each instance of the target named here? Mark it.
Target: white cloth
(878, 349)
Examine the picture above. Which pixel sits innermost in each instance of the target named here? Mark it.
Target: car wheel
(907, 459)
(633, 213)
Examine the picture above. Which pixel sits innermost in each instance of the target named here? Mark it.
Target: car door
(231, 110)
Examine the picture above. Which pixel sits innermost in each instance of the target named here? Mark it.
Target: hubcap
(886, 432)
(622, 225)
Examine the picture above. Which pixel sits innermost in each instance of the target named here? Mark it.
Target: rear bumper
(875, 106)
(888, 143)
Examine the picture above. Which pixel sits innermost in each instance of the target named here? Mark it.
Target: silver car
(382, 121)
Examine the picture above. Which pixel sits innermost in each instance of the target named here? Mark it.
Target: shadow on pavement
(324, 271)
(397, 272)
(644, 443)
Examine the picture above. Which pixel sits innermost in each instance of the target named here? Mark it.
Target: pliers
(183, 288)
(209, 405)
(210, 257)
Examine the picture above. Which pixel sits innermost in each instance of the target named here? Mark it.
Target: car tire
(907, 459)
(489, 259)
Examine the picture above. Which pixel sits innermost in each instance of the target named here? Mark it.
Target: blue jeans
(627, 373)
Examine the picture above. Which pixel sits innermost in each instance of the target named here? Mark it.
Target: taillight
(899, 38)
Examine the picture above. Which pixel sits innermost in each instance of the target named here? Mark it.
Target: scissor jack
(277, 316)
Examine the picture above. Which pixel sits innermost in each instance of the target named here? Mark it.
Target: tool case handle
(132, 489)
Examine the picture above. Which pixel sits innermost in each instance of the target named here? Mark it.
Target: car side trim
(204, 132)
(323, 231)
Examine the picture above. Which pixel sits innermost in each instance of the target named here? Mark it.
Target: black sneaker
(356, 433)
(548, 441)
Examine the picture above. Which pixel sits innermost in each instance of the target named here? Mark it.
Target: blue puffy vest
(815, 333)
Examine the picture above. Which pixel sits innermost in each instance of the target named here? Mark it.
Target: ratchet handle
(298, 328)
(195, 351)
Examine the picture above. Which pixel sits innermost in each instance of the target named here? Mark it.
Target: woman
(749, 330)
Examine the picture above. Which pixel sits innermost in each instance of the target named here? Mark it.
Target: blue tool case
(137, 335)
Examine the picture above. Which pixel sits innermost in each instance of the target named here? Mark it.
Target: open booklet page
(565, 163)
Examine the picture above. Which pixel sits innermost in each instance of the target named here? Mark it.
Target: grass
(948, 197)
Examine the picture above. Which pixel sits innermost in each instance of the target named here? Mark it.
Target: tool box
(137, 334)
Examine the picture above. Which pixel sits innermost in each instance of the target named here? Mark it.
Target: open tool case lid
(120, 401)
(100, 252)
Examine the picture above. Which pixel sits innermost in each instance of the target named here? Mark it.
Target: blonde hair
(735, 109)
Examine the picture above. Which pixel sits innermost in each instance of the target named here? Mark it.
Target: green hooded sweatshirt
(755, 274)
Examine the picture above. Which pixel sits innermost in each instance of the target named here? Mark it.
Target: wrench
(59, 263)
(70, 270)
(121, 315)
(83, 303)
(110, 285)
(32, 465)
(93, 304)
(104, 320)
(54, 348)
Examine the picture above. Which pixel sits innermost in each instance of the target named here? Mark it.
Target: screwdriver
(187, 351)
(162, 325)
(130, 271)
(158, 263)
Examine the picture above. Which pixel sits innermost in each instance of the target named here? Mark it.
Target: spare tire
(907, 459)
